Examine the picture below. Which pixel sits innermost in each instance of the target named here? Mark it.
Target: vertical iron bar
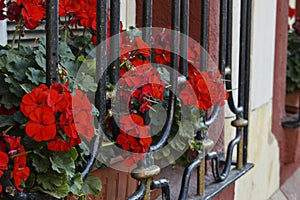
(247, 79)
(229, 34)
(184, 29)
(223, 36)
(242, 56)
(173, 75)
(51, 41)
(204, 33)
(115, 41)
(147, 20)
(101, 60)
(114, 71)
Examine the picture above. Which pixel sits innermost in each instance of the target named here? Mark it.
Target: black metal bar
(242, 56)
(115, 41)
(204, 33)
(147, 20)
(101, 63)
(247, 79)
(213, 116)
(140, 192)
(184, 29)
(214, 189)
(165, 188)
(173, 75)
(51, 41)
(223, 36)
(216, 162)
(186, 178)
(114, 71)
(228, 76)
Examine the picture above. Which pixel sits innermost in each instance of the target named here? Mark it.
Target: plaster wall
(263, 180)
(3, 34)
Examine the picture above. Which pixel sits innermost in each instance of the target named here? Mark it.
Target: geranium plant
(46, 131)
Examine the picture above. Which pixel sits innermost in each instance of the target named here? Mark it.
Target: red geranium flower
(3, 162)
(42, 125)
(32, 14)
(36, 99)
(59, 144)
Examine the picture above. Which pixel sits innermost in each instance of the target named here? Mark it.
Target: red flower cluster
(10, 147)
(54, 118)
(134, 135)
(203, 90)
(32, 12)
(139, 79)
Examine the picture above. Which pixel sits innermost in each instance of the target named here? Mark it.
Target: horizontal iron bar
(215, 188)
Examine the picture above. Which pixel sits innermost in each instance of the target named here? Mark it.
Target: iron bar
(216, 162)
(101, 63)
(215, 188)
(147, 20)
(51, 41)
(242, 56)
(247, 79)
(223, 36)
(115, 41)
(114, 70)
(184, 30)
(165, 188)
(204, 33)
(228, 76)
(140, 192)
(186, 178)
(213, 116)
(173, 76)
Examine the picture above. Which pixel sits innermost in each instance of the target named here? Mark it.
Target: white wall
(128, 13)
(3, 33)
(263, 46)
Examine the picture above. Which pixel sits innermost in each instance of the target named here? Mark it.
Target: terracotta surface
(116, 185)
(292, 102)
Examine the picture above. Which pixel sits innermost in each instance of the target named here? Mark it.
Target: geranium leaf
(63, 162)
(6, 120)
(19, 117)
(75, 184)
(9, 100)
(40, 59)
(14, 87)
(40, 163)
(92, 185)
(36, 76)
(50, 181)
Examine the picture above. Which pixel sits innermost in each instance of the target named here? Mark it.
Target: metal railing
(180, 17)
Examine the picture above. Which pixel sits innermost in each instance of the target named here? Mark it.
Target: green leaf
(86, 83)
(75, 184)
(19, 117)
(51, 181)
(40, 163)
(40, 59)
(36, 76)
(63, 162)
(14, 87)
(6, 120)
(9, 100)
(92, 185)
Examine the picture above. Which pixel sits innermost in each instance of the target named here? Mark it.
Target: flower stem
(7, 130)
(16, 31)
(20, 154)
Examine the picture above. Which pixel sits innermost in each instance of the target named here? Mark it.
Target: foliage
(45, 130)
(293, 63)
(293, 54)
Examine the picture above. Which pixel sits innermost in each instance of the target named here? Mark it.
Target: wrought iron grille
(224, 175)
